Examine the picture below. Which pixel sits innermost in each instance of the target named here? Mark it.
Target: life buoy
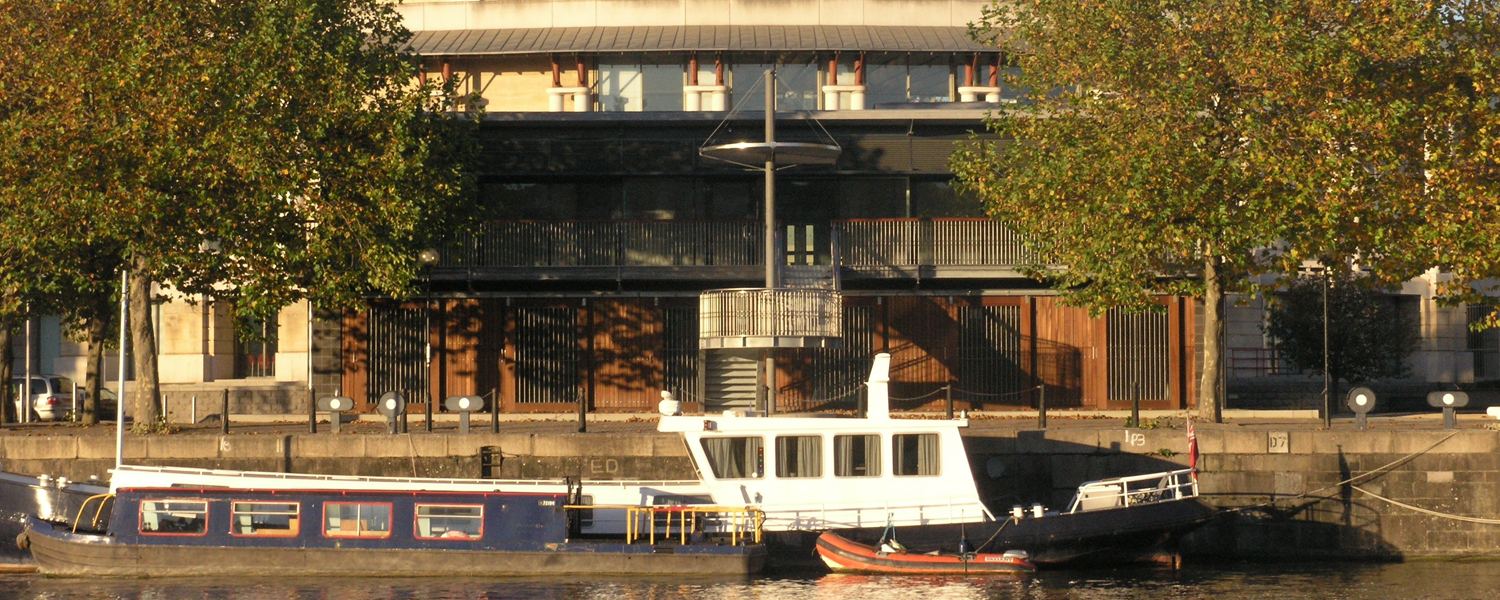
(23, 541)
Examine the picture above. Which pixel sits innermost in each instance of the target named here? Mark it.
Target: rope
(994, 535)
(1427, 511)
(1000, 395)
(1349, 481)
(927, 395)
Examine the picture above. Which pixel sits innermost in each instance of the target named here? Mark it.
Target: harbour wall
(1282, 486)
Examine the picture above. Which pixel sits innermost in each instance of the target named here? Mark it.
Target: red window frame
(140, 526)
(416, 514)
(295, 532)
(323, 524)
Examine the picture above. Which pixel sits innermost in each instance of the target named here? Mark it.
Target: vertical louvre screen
(840, 373)
(547, 355)
(1138, 355)
(1485, 345)
(989, 353)
(397, 351)
(681, 369)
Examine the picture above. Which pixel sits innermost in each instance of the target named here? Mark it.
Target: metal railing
(1258, 362)
(770, 313)
(608, 244)
(874, 243)
(641, 522)
(1137, 489)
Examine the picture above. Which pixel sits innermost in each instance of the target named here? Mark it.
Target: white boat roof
(732, 421)
(136, 477)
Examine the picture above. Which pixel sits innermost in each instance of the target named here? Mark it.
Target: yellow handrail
(742, 521)
(95, 523)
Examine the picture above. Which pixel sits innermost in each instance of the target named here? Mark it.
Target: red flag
(1192, 450)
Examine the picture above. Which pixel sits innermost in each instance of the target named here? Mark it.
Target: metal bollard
(495, 411)
(224, 414)
(1041, 406)
(75, 402)
(1135, 407)
(312, 411)
(429, 414)
(948, 398)
(192, 409)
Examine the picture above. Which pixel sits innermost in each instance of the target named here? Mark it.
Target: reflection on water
(1425, 579)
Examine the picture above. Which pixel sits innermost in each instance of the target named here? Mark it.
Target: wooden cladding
(617, 355)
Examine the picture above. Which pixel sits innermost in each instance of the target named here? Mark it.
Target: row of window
(284, 519)
(801, 456)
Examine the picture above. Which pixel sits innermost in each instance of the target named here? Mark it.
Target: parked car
(108, 402)
(51, 396)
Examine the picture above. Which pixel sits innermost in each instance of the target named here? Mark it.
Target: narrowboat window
(799, 456)
(735, 457)
(915, 453)
(174, 517)
(450, 522)
(347, 519)
(265, 518)
(856, 455)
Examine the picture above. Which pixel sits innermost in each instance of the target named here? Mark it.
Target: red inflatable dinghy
(845, 556)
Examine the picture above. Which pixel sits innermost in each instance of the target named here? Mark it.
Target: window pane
(856, 455)
(799, 456)
(265, 518)
(661, 86)
(357, 520)
(735, 457)
(915, 454)
(930, 79)
(450, 522)
(178, 517)
(885, 80)
(620, 87)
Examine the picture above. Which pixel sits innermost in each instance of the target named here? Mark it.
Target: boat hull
(845, 556)
(1139, 533)
(22, 496)
(63, 554)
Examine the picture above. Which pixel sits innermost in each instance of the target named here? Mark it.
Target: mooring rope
(1349, 481)
(1426, 511)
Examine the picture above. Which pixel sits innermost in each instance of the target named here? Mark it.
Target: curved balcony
(770, 318)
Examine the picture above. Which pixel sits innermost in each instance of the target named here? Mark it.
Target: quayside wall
(1283, 481)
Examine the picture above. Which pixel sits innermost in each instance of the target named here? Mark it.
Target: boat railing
(1135, 490)
(642, 522)
(103, 500)
(861, 513)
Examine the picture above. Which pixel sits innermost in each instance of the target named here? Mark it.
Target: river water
(1418, 579)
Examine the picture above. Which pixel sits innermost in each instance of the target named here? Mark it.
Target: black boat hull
(1139, 533)
(63, 554)
(21, 497)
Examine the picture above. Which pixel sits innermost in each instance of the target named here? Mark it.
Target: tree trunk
(93, 382)
(7, 362)
(143, 342)
(1210, 400)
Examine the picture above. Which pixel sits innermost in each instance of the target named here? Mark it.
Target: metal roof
(753, 38)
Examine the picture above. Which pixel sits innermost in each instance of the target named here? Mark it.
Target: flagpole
(120, 398)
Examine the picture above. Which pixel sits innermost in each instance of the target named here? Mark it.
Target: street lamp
(427, 258)
(1327, 409)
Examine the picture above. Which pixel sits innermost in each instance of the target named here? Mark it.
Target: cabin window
(450, 522)
(799, 456)
(915, 453)
(174, 517)
(348, 519)
(856, 455)
(735, 457)
(265, 518)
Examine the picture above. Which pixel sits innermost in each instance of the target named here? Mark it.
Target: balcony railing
(733, 249)
(770, 318)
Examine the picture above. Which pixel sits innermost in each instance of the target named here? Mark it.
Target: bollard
(192, 409)
(1135, 407)
(312, 411)
(75, 402)
(224, 414)
(495, 411)
(948, 397)
(583, 420)
(429, 414)
(1041, 406)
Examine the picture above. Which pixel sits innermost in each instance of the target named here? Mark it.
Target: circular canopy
(784, 153)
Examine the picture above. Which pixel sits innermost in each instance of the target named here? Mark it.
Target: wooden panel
(457, 347)
(544, 353)
(627, 357)
(1068, 356)
(923, 341)
(354, 353)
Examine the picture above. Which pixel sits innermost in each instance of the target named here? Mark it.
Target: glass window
(915, 454)
(930, 79)
(796, 89)
(936, 199)
(885, 79)
(464, 522)
(856, 455)
(620, 87)
(735, 457)
(265, 518)
(348, 519)
(174, 517)
(661, 85)
(799, 456)
(872, 198)
(61, 385)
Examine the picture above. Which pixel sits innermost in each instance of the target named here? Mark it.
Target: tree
(1195, 146)
(1368, 337)
(261, 151)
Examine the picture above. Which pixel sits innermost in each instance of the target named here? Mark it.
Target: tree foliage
(260, 151)
(1368, 336)
(1209, 146)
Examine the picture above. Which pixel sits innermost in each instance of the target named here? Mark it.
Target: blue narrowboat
(222, 531)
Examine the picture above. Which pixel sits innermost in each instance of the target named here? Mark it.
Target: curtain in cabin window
(915, 453)
(734, 457)
(856, 455)
(799, 456)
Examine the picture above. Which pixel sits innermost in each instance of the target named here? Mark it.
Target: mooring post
(1041, 406)
(1135, 407)
(429, 414)
(312, 411)
(583, 407)
(494, 410)
(224, 413)
(948, 397)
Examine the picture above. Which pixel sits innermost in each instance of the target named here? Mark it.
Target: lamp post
(1327, 377)
(427, 258)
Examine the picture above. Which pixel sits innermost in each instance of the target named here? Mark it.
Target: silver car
(51, 396)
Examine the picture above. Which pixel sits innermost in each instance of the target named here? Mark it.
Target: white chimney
(879, 405)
